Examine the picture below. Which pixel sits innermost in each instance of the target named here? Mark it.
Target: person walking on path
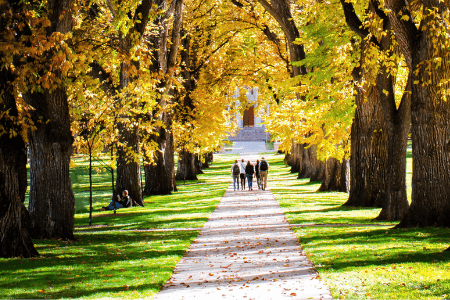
(235, 171)
(249, 171)
(257, 174)
(242, 174)
(264, 170)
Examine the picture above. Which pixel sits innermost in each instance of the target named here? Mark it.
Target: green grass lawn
(116, 257)
(133, 253)
(357, 257)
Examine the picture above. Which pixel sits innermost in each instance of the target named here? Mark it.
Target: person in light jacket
(242, 165)
(263, 171)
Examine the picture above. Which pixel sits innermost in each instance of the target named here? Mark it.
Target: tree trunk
(430, 119)
(198, 167)
(288, 159)
(368, 162)
(208, 157)
(336, 177)
(14, 219)
(430, 111)
(397, 122)
(160, 177)
(306, 167)
(318, 171)
(186, 167)
(158, 181)
(52, 203)
(296, 157)
(128, 170)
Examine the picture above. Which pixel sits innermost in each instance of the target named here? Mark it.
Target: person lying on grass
(125, 201)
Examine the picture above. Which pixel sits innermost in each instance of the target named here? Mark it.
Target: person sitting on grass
(125, 201)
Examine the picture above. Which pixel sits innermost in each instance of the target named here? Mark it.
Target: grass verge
(127, 255)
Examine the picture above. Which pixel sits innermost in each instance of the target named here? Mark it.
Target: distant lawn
(116, 257)
(369, 260)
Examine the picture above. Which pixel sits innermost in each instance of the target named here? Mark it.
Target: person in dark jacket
(249, 171)
(257, 174)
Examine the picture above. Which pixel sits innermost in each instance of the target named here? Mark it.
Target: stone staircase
(250, 134)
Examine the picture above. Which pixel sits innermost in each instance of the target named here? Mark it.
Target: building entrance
(249, 117)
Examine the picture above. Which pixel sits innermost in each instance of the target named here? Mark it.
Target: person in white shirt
(242, 166)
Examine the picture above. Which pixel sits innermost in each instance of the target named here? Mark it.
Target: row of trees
(142, 80)
(374, 71)
(153, 77)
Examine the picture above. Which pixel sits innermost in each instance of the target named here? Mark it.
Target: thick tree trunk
(430, 118)
(160, 177)
(186, 167)
(318, 171)
(208, 157)
(430, 112)
(337, 177)
(197, 165)
(368, 162)
(305, 167)
(288, 159)
(128, 170)
(296, 157)
(15, 240)
(397, 122)
(169, 155)
(156, 179)
(397, 128)
(52, 203)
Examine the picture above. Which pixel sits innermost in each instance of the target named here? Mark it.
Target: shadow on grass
(82, 268)
(408, 245)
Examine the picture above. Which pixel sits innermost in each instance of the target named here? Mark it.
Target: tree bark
(318, 167)
(157, 180)
(15, 240)
(163, 182)
(128, 170)
(306, 168)
(197, 165)
(288, 159)
(208, 157)
(368, 162)
(336, 178)
(187, 169)
(430, 114)
(397, 122)
(52, 204)
(296, 157)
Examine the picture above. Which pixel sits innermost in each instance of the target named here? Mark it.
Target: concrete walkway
(246, 250)
(247, 147)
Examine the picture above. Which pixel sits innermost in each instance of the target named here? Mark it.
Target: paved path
(246, 147)
(246, 250)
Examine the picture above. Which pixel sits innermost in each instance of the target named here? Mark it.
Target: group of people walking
(241, 170)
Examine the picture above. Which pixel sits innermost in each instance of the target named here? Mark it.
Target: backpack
(263, 165)
(236, 169)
